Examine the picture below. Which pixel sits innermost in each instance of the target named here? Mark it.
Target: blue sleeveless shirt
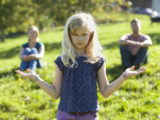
(38, 46)
(79, 90)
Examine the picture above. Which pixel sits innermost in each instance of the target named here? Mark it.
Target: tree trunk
(2, 37)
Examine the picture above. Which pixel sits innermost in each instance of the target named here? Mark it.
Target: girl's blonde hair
(93, 50)
(34, 28)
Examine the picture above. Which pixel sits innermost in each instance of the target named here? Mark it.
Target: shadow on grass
(11, 72)
(9, 53)
(52, 46)
(111, 45)
(114, 72)
(155, 38)
(16, 35)
(15, 51)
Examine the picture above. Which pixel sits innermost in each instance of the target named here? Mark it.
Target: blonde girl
(77, 71)
(32, 51)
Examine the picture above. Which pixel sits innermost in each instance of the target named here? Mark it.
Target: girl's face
(32, 34)
(80, 37)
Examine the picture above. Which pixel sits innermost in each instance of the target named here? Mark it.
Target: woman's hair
(93, 49)
(34, 28)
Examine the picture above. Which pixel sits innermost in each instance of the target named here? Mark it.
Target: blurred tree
(13, 15)
(18, 15)
(6, 18)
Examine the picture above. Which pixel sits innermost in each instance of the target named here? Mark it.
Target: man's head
(135, 26)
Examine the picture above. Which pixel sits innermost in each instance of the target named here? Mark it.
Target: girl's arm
(53, 90)
(107, 89)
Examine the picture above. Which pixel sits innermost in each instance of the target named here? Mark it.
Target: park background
(137, 99)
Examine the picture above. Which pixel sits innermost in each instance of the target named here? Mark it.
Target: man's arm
(127, 42)
(146, 43)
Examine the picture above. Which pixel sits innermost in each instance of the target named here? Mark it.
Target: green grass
(137, 99)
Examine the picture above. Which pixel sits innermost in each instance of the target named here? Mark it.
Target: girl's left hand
(131, 72)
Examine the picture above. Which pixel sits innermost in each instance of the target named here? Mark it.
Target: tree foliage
(18, 15)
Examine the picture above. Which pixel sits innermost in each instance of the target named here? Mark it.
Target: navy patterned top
(79, 91)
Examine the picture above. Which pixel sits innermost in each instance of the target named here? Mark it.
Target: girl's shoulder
(100, 62)
(59, 63)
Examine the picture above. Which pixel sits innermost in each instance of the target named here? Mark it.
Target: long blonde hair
(35, 28)
(93, 50)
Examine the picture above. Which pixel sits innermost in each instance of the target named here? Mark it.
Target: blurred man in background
(134, 46)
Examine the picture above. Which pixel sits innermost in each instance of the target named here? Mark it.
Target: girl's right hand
(31, 74)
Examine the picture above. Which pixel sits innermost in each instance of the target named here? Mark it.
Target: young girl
(77, 71)
(31, 52)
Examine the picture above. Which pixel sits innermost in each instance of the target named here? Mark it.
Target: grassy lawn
(137, 99)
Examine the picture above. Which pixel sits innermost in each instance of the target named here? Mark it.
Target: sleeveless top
(38, 46)
(79, 90)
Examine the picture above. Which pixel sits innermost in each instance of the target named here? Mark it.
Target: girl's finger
(141, 70)
(19, 72)
(132, 67)
(28, 70)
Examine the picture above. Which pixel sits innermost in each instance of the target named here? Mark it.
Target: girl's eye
(75, 34)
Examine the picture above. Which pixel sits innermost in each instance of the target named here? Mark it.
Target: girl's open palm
(131, 72)
(31, 74)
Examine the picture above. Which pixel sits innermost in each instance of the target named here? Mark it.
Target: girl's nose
(80, 37)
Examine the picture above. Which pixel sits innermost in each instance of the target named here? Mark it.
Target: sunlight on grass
(137, 99)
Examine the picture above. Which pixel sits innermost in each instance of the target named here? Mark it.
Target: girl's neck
(80, 53)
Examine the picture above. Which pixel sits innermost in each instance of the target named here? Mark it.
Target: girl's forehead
(32, 30)
(83, 28)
